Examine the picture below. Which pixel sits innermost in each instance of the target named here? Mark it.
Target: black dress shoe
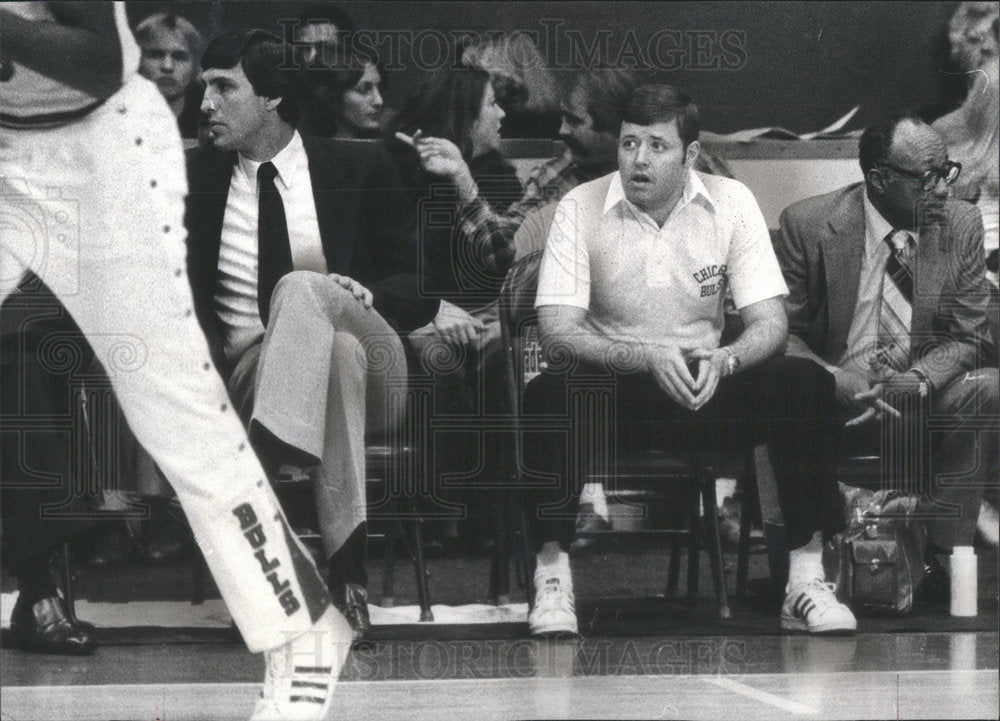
(110, 547)
(161, 547)
(44, 627)
(352, 601)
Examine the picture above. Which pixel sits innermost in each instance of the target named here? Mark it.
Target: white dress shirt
(863, 334)
(236, 290)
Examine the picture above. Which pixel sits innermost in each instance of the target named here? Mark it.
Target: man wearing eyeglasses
(887, 291)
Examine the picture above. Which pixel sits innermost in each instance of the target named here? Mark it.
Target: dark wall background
(800, 65)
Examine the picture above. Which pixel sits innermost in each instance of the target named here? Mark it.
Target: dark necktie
(274, 254)
(897, 303)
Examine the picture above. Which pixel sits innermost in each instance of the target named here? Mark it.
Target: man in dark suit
(303, 261)
(888, 292)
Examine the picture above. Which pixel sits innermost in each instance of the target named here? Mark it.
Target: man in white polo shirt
(632, 284)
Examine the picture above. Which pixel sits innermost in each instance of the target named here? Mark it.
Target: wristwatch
(733, 362)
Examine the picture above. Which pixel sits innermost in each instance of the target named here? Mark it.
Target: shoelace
(551, 590)
(826, 598)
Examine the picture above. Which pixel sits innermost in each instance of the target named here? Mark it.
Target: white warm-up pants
(95, 209)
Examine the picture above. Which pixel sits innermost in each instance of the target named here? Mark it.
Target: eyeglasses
(929, 178)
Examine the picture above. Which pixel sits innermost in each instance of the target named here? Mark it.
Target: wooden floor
(904, 676)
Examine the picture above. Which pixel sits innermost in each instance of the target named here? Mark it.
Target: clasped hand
(669, 366)
(457, 325)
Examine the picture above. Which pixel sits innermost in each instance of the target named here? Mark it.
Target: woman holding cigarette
(445, 141)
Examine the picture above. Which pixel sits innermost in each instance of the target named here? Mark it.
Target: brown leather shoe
(44, 627)
(352, 601)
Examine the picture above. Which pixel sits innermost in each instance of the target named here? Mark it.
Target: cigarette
(403, 137)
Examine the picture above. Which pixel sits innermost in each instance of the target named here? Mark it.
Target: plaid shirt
(492, 233)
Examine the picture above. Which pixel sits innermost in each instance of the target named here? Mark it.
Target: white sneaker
(554, 612)
(814, 607)
(301, 675)
(988, 524)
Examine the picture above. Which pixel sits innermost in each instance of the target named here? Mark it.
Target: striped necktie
(896, 311)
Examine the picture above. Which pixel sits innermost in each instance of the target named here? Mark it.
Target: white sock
(724, 488)
(552, 561)
(806, 563)
(593, 493)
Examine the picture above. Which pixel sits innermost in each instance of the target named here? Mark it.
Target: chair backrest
(523, 358)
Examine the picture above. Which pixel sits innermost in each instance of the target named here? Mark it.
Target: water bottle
(964, 585)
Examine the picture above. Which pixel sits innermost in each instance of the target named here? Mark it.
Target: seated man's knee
(297, 284)
(971, 394)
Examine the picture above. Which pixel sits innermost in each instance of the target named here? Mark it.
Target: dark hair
(170, 22)
(606, 91)
(318, 13)
(873, 148)
(651, 104)
(261, 55)
(344, 72)
(445, 105)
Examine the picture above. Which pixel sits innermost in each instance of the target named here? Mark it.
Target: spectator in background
(321, 30)
(344, 99)
(591, 116)
(972, 130)
(523, 84)
(171, 50)
(451, 166)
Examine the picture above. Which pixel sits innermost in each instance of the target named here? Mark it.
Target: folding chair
(519, 326)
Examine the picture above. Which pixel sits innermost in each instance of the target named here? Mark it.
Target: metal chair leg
(389, 565)
(415, 549)
(715, 544)
(743, 556)
(67, 583)
(418, 566)
(674, 567)
(527, 551)
(748, 513)
(694, 548)
(500, 564)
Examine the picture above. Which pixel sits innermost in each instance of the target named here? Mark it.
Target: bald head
(917, 145)
(907, 171)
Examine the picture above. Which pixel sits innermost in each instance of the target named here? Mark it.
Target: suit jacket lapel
(215, 184)
(843, 250)
(333, 186)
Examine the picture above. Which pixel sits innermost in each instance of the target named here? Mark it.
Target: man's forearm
(586, 345)
(86, 56)
(759, 341)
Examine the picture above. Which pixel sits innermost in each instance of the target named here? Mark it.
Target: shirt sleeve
(753, 270)
(564, 278)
